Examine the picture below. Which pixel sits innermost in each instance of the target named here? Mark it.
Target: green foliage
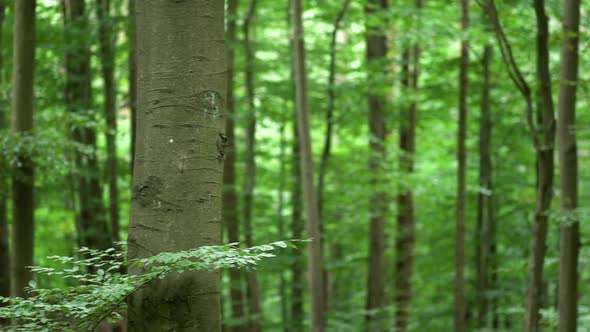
(100, 289)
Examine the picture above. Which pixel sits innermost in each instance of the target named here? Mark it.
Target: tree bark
(312, 220)
(132, 63)
(177, 184)
(23, 182)
(568, 164)
(230, 198)
(461, 174)
(406, 228)
(485, 229)
(4, 189)
(107, 56)
(376, 51)
(252, 291)
(78, 98)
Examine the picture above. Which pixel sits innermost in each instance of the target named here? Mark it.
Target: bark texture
(230, 198)
(23, 182)
(461, 174)
(107, 58)
(485, 227)
(177, 185)
(568, 164)
(132, 63)
(92, 223)
(312, 220)
(376, 53)
(252, 291)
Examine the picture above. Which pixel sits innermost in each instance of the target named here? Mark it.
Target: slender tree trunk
(331, 104)
(177, 184)
(297, 277)
(545, 139)
(485, 220)
(297, 282)
(568, 164)
(107, 55)
(23, 182)
(328, 135)
(281, 224)
(4, 233)
(461, 175)
(316, 265)
(92, 221)
(406, 229)
(376, 52)
(132, 63)
(230, 198)
(252, 281)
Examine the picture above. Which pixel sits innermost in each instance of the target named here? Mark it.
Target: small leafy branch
(102, 293)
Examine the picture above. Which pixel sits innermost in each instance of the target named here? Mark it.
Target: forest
(294, 165)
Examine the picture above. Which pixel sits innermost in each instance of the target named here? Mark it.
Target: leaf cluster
(100, 287)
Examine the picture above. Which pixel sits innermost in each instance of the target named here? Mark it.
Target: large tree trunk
(4, 243)
(461, 176)
(132, 63)
(23, 183)
(406, 229)
(92, 222)
(252, 281)
(177, 183)
(485, 229)
(230, 198)
(312, 220)
(568, 165)
(107, 57)
(376, 51)
(545, 139)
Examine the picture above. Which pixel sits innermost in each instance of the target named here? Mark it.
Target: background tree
(107, 56)
(230, 198)
(312, 219)
(569, 238)
(91, 222)
(376, 53)
(23, 182)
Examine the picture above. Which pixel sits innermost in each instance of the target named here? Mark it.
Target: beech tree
(177, 184)
(23, 184)
(4, 189)
(406, 228)
(569, 239)
(376, 52)
(312, 218)
(230, 197)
